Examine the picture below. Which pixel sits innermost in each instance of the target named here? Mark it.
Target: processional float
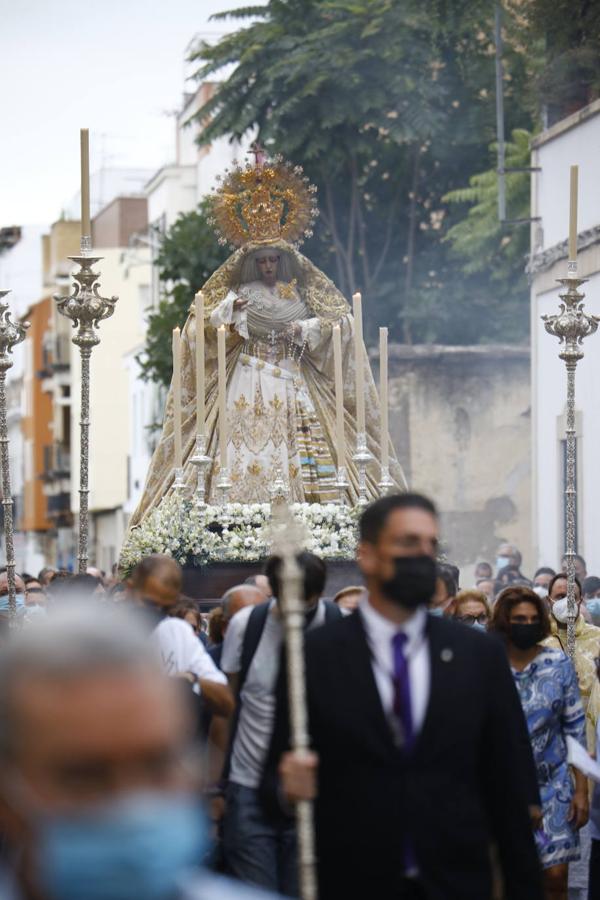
(282, 199)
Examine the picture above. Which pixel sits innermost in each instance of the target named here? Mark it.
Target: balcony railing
(57, 462)
(56, 354)
(59, 503)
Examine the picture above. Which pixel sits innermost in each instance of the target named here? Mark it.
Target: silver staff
(11, 334)
(571, 326)
(289, 538)
(86, 309)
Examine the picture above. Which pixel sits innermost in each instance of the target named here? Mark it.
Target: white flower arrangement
(241, 533)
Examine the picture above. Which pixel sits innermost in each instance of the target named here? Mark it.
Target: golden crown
(268, 201)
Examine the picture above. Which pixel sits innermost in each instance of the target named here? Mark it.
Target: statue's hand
(240, 303)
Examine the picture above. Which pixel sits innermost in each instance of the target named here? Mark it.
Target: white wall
(106, 184)
(577, 146)
(171, 192)
(220, 156)
(556, 151)
(549, 410)
(143, 412)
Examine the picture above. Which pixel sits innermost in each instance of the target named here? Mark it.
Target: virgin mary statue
(279, 310)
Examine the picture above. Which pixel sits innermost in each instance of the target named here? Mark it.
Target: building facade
(21, 273)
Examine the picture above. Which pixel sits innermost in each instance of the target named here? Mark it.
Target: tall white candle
(339, 397)
(200, 389)
(574, 185)
(222, 372)
(383, 396)
(84, 137)
(359, 363)
(178, 457)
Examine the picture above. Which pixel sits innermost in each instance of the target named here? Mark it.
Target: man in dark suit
(421, 752)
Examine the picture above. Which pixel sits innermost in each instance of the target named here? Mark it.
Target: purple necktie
(402, 704)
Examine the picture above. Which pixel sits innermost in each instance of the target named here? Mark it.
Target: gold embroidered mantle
(306, 406)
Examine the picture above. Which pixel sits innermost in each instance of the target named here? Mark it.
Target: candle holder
(224, 486)
(179, 485)
(86, 309)
(279, 490)
(11, 334)
(571, 326)
(362, 458)
(342, 484)
(202, 461)
(386, 483)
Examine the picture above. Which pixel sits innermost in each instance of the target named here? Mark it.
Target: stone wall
(460, 422)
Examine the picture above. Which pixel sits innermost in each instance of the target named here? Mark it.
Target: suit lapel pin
(447, 655)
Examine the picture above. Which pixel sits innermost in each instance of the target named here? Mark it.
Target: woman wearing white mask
(587, 637)
(587, 647)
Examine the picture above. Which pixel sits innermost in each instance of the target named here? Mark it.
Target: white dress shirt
(182, 651)
(380, 634)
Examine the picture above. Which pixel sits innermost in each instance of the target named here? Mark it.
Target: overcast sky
(113, 66)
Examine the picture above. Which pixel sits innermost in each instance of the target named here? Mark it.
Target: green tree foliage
(568, 31)
(480, 239)
(493, 254)
(389, 106)
(189, 254)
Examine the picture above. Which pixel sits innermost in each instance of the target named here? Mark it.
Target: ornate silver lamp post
(11, 334)
(86, 309)
(571, 326)
(288, 539)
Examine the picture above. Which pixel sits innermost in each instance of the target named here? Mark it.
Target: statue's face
(267, 267)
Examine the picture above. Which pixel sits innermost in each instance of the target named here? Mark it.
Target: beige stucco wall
(460, 421)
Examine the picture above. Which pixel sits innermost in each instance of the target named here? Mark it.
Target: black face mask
(525, 636)
(413, 583)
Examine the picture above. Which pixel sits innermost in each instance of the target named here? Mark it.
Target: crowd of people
(146, 742)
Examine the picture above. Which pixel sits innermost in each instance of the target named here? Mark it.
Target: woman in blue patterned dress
(547, 685)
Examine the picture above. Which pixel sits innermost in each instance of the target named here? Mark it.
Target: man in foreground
(97, 799)
(421, 750)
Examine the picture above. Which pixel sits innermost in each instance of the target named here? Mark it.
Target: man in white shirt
(156, 583)
(260, 849)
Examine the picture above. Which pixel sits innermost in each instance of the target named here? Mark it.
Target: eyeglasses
(481, 619)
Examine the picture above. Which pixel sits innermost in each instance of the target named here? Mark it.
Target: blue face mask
(437, 611)
(479, 626)
(19, 600)
(593, 605)
(136, 848)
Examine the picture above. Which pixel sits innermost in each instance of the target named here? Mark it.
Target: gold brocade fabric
(314, 416)
(587, 651)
